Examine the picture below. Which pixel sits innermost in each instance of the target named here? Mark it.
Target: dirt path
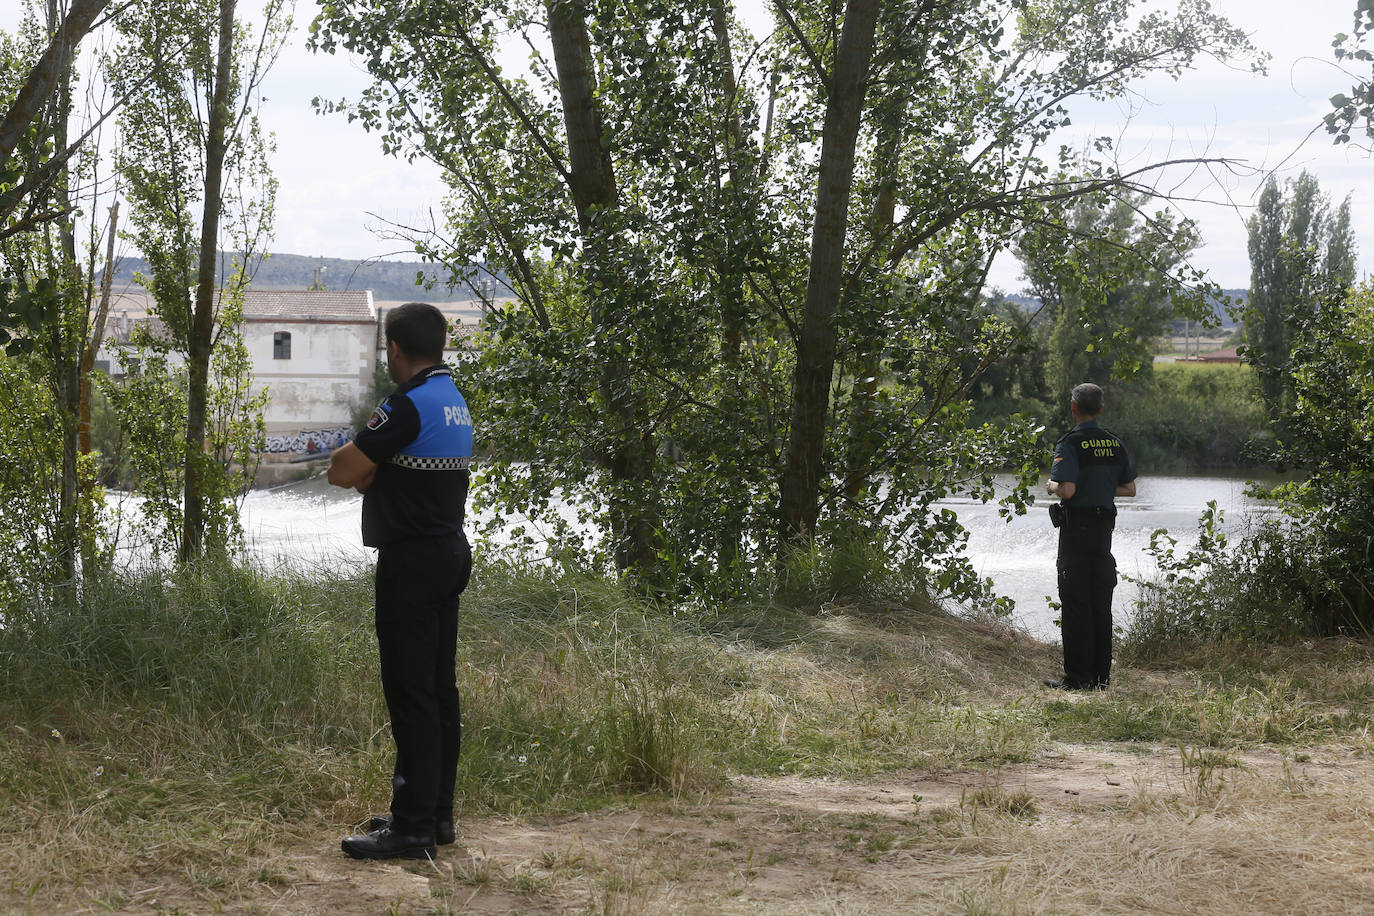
(1084, 830)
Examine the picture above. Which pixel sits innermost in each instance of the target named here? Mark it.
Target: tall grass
(194, 724)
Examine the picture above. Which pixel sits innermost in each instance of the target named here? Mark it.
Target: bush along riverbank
(1180, 417)
(199, 741)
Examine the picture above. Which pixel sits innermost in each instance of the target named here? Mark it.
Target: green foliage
(148, 412)
(646, 373)
(1350, 111)
(27, 307)
(1307, 573)
(1330, 436)
(30, 487)
(1302, 255)
(1190, 416)
(1181, 416)
(1207, 594)
(1110, 291)
(185, 180)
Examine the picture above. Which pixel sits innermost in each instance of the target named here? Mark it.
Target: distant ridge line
(388, 280)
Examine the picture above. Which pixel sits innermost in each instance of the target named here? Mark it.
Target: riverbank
(199, 744)
(311, 523)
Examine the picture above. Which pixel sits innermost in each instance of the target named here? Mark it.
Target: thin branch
(807, 49)
(514, 105)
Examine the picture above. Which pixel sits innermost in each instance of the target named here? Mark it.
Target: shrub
(1189, 416)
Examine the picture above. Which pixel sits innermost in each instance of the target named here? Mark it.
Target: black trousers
(418, 583)
(1087, 578)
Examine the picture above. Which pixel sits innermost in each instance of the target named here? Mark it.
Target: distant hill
(388, 280)
(1223, 310)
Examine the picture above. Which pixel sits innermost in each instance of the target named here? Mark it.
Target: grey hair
(1088, 398)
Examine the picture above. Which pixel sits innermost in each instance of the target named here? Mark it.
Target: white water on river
(311, 522)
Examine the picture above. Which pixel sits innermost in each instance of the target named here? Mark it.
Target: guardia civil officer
(411, 465)
(1091, 467)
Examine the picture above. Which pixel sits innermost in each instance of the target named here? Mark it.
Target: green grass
(199, 721)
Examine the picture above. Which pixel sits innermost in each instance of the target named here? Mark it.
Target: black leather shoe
(443, 828)
(1064, 685)
(383, 844)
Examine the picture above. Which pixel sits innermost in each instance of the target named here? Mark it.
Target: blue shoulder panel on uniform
(445, 424)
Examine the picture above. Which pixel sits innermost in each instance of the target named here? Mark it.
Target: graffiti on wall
(309, 442)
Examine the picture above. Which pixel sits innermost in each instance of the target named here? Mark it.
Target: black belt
(1097, 511)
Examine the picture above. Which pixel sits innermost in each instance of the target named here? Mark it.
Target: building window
(102, 365)
(281, 345)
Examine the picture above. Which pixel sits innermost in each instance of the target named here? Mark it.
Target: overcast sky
(332, 175)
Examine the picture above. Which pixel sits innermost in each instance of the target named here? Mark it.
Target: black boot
(383, 844)
(444, 834)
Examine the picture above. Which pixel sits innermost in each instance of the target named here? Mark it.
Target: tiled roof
(308, 305)
(272, 304)
(132, 300)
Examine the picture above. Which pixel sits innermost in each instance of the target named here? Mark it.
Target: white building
(313, 351)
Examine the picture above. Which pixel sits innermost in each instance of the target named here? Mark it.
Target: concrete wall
(328, 374)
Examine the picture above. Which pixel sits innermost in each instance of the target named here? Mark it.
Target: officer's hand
(349, 467)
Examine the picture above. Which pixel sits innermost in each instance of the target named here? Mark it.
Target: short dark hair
(419, 329)
(1088, 398)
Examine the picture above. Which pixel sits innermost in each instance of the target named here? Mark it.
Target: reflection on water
(313, 522)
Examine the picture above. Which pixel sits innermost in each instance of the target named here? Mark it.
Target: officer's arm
(1064, 489)
(349, 467)
(1125, 489)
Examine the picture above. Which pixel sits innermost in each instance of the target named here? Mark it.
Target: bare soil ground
(1116, 829)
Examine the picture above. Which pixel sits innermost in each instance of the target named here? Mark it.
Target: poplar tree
(1302, 257)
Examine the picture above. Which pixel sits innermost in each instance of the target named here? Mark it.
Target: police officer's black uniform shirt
(420, 437)
(1095, 461)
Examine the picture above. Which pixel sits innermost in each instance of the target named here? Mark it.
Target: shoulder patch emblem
(379, 417)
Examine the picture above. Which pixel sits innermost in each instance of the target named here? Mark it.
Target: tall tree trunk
(730, 271)
(97, 335)
(201, 335)
(47, 75)
(628, 456)
(890, 115)
(66, 339)
(800, 490)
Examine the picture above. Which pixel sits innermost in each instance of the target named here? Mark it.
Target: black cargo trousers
(1087, 578)
(417, 588)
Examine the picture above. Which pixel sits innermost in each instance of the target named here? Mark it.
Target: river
(313, 523)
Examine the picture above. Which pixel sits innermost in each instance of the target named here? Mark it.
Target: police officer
(1091, 467)
(411, 465)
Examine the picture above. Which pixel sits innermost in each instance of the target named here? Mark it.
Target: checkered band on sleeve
(432, 464)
